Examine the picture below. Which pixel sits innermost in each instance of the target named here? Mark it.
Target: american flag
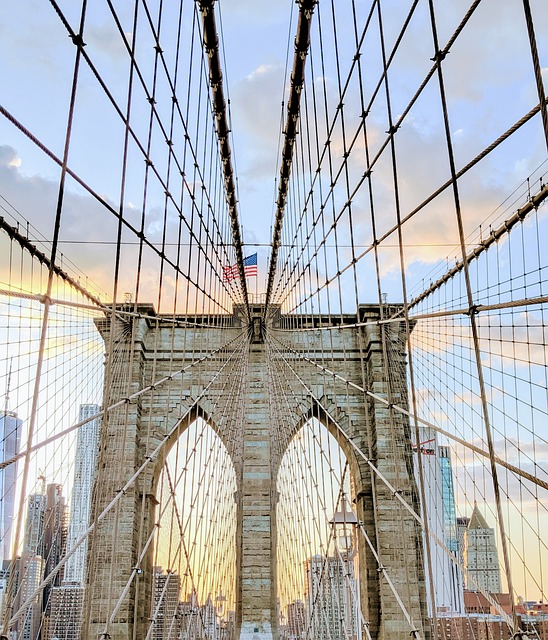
(230, 272)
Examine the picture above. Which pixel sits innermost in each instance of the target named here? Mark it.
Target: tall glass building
(10, 433)
(450, 528)
(448, 583)
(67, 600)
(87, 448)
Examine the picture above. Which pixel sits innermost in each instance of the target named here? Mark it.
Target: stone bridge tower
(145, 349)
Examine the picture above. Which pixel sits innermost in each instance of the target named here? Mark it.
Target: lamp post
(344, 525)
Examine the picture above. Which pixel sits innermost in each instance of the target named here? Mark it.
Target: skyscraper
(462, 525)
(55, 535)
(67, 600)
(31, 566)
(448, 583)
(31, 572)
(480, 551)
(455, 586)
(296, 619)
(87, 446)
(66, 606)
(34, 527)
(166, 590)
(43, 548)
(10, 440)
(331, 611)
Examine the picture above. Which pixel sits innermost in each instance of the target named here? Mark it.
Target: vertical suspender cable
(211, 46)
(302, 44)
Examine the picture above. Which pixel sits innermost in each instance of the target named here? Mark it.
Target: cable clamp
(440, 55)
(473, 310)
(77, 40)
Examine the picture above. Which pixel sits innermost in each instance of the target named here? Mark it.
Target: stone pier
(148, 348)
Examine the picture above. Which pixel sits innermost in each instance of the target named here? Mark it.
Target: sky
(490, 85)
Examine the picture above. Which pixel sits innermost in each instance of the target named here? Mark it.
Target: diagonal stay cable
(531, 205)
(395, 407)
(127, 400)
(137, 568)
(483, 154)
(366, 110)
(160, 124)
(104, 203)
(444, 313)
(395, 493)
(211, 46)
(193, 410)
(302, 45)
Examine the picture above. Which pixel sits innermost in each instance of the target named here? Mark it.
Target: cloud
(9, 157)
(105, 39)
(87, 248)
(256, 105)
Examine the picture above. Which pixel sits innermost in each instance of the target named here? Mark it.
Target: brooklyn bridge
(273, 351)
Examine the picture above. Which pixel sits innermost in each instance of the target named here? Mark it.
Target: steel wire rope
(286, 427)
(511, 396)
(103, 202)
(495, 388)
(473, 325)
(87, 188)
(424, 422)
(181, 538)
(378, 86)
(175, 103)
(122, 491)
(316, 474)
(210, 43)
(331, 127)
(313, 475)
(395, 493)
(440, 189)
(127, 399)
(387, 343)
(536, 66)
(122, 445)
(229, 398)
(306, 8)
(56, 229)
(341, 501)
